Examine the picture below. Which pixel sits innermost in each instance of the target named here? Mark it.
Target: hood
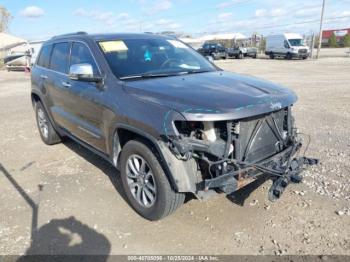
(218, 92)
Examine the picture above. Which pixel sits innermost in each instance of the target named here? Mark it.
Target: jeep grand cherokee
(172, 122)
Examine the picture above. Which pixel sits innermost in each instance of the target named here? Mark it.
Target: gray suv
(173, 123)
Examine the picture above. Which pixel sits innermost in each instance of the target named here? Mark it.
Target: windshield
(133, 58)
(296, 42)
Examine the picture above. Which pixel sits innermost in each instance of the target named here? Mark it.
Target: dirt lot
(70, 201)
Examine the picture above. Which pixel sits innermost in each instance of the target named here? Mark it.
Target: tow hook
(292, 174)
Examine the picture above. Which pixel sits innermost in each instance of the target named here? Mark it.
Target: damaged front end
(230, 154)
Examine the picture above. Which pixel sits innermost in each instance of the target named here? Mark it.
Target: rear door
(58, 86)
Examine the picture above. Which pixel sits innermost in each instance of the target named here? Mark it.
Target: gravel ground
(69, 201)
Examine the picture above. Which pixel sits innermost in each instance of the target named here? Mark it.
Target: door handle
(66, 84)
(43, 76)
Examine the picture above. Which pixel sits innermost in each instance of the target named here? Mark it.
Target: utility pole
(320, 36)
(312, 45)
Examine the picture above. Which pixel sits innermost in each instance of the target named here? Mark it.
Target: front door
(86, 100)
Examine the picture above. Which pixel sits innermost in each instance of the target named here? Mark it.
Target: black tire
(289, 56)
(240, 56)
(272, 56)
(254, 56)
(166, 199)
(51, 137)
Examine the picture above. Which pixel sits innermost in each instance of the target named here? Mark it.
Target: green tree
(332, 41)
(5, 18)
(346, 40)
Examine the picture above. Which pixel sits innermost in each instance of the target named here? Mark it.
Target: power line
(306, 22)
(296, 7)
(290, 10)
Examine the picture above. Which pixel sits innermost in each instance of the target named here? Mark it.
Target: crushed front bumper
(283, 168)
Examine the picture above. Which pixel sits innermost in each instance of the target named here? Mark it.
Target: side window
(286, 45)
(81, 55)
(44, 57)
(59, 57)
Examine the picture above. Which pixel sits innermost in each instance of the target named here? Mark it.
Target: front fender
(183, 175)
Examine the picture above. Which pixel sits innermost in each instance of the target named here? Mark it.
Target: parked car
(286, 45)
(241, 52)
(172, 122)
(214, 51)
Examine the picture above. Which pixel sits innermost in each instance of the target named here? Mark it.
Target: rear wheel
(47, 133)
(272, 56)
(146, 186)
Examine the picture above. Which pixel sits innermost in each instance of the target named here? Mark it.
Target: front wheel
(145, 183)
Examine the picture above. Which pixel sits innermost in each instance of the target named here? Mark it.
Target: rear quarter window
(60, 57)
(44, 57)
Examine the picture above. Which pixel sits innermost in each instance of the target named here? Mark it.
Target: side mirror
(83, 72)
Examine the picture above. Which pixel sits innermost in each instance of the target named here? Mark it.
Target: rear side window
(81, 54)
(44, 57)
(59, 57)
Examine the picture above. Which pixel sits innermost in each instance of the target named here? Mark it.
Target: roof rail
(70, 34)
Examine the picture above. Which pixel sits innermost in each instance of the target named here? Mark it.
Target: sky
(41, 19)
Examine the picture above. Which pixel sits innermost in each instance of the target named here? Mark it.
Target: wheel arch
(35, 98)
(125, 133)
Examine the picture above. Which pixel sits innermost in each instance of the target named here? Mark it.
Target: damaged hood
(215, 95)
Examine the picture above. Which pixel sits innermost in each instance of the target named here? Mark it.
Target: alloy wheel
(43, 123)
(141, 181)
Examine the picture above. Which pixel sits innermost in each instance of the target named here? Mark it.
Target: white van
(286, 45)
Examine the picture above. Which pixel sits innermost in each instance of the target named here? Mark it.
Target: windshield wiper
(152, 75)
(198, 71)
